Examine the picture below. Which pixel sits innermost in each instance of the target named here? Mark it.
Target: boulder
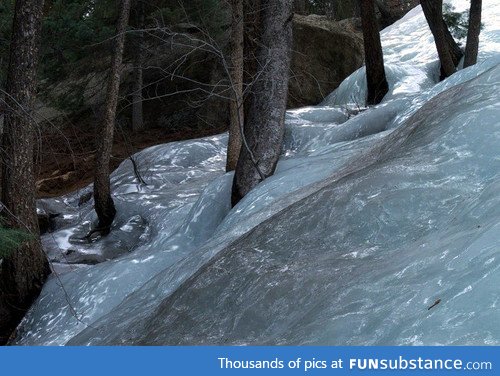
(325, 52)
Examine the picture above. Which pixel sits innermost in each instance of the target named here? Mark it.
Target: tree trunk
(300, 7)
(236, 105)
(104, 205)
(374, 59)
(251, 37)
(453, 47)
(137, 112)
(393, 10)
(265, 121)
(388, 16)
(433, 11)
(24, 270)
(472, 47)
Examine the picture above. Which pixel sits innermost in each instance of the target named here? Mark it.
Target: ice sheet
(372, 215)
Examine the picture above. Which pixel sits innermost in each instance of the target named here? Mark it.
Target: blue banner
(94, 361)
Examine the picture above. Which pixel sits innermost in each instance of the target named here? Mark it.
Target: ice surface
(410, 55)
(369, 219)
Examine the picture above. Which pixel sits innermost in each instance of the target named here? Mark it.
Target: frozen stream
(367, 222)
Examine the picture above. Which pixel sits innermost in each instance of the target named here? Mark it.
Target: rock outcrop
(178, 103)
(325, 52)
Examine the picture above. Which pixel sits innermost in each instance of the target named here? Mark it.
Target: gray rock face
(325, 53)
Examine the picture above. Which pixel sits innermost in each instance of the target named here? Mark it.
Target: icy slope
(359, 261)
(410, 55)
(366, 223)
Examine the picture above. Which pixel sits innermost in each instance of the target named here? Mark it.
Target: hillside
(373, 215)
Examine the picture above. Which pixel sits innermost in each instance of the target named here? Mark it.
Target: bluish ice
(372, 215)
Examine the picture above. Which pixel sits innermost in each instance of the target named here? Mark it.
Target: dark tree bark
(393, 10)
(251, 39)
(300, 6)
(265, 120)
(453, 47)
(472, 47)
(374, 59)
(24, 270)
(433, 11)
(388, 16)
(137, 111)
(104, 205)
(236, 105)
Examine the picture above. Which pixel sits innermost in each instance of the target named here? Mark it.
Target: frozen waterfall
(368, 220)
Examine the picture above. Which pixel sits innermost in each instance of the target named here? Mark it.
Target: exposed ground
(67, 153)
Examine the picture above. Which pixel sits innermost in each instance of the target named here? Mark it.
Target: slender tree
(388, 15)
(236, 105)
(251, 40)
(374, 59)
(104, 205)
(472, 46)
(138, 53)
(433, 11)
(265, 121)
(300, 6)
(453, 47)
(24, 269)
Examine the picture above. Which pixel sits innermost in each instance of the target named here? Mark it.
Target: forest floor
(66, 154)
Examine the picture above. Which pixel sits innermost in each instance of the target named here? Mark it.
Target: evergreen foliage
(212, 16)
(77, 35)
(10, 239)
(458, 22)
(71, 30)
